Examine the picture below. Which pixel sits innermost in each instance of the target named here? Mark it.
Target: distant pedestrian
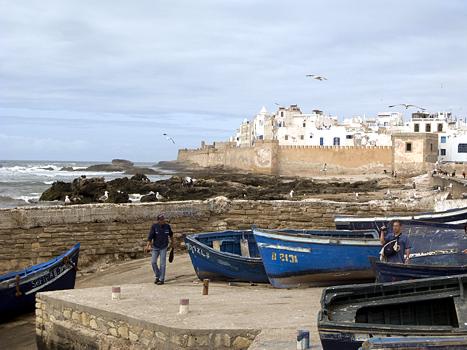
(395, 244)
(453, 174)
(463, 174)
(160, 237)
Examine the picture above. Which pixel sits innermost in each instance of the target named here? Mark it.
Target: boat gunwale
(400, 266)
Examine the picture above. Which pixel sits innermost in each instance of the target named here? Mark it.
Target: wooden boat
(392, 272)
(300, 258)
(18, 289)
(452, 216)
(227, 255)
(354, 313)
(416, 343)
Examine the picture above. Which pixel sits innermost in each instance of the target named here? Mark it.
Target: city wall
(268, 157)
(118, 231)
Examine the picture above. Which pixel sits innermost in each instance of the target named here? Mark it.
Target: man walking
(395, 244)
(159, 236)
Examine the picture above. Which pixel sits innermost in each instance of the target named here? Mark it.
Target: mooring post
(303, 339)
(184, 306)
(116, 293)
(205, 286)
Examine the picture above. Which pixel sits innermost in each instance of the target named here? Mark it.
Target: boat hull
(217, 265)
(392, 272)
(452, 216)
(300, 261)
(58, 276)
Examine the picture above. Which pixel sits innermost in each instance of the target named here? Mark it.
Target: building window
(304, 124)
(427, 127)
(408, 146)
(442, 152)
(311, 136)
(282, 114)
(286, 137)
(440, 127)
(443, 139)
(321, 141)
(349, 137)
(302, 137)
(336, 141)
(416, 127)
(462, 148)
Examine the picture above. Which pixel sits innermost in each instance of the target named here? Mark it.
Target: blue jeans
(159, 272)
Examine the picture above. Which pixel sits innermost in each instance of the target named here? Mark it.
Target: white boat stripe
(48, 282)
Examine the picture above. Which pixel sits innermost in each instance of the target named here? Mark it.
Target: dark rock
(148, 198)
(137, 170)
(67, 168)
(104, 167)
(57, 191)
(140, 177)
(48, 168)
(118, 197)
(123, 163)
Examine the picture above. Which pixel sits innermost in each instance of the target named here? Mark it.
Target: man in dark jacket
(159, 237)
(400, 243)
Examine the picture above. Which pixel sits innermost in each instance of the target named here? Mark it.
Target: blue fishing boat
(226, 256)
(18, 289)
(299, 258)
(453, 216)
(350, 315)
(392, 272)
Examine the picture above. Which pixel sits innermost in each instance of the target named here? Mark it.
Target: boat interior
(240, 243)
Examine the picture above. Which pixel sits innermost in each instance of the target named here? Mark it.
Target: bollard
(184, 305)
(303, 339)
(205, 287)
(115, 293)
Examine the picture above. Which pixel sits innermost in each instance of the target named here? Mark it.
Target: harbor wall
(118, 231)
(267, 157)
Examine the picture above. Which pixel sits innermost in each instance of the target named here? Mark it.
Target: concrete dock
(236, 316)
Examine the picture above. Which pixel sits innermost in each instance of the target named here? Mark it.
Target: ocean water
(22, 182)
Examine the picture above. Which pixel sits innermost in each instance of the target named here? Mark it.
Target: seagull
(169, 138)
(104, 197)
(150, 193)
(356, 194)
(407, 106)
(291, 193)
(67, 200)
(159, 197)
(316, 77)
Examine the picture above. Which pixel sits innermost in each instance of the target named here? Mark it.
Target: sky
(96, 80)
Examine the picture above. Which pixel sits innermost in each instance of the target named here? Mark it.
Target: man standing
(159, 236)
(395, 244)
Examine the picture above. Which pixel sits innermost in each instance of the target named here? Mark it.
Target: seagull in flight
(316, 77)
(407, 106)
(169, 138)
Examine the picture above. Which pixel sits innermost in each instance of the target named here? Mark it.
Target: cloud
(198, 69)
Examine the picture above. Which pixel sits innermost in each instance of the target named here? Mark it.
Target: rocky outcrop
(122, 163)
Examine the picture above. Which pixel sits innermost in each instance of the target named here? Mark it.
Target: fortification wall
(269, 158)
(309, 160)
(117, 231)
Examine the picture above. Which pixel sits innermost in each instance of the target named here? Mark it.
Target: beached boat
(416, 343)
(18, 289)
(227, 255)
(452, 216)
(392, 272)
(354, 313)
(299, 258)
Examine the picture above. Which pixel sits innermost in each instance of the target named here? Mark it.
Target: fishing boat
(227, 256)
(18, 289)
(300, 258)
(452, 216)
(352, 314)
(392, 272)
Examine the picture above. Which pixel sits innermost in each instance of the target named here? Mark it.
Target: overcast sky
(96, 80)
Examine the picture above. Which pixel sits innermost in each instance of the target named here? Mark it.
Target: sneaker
(160, 282)
(156, 281)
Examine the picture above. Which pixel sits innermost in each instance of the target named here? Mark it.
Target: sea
(22, 182)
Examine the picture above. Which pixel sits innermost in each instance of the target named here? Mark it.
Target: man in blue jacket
(159, 237)
(399, 250)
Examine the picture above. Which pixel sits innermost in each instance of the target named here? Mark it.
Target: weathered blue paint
(453, 216)
(316, 257)
(391, 272)
(56, 274)
(226, 263)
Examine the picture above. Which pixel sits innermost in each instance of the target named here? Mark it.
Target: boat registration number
(284, 257)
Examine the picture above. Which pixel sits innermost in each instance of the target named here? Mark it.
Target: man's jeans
(159, 272)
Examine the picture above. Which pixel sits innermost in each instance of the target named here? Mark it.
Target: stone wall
(457, 187)
(267, 157)
(67, 325)
(117, 231)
